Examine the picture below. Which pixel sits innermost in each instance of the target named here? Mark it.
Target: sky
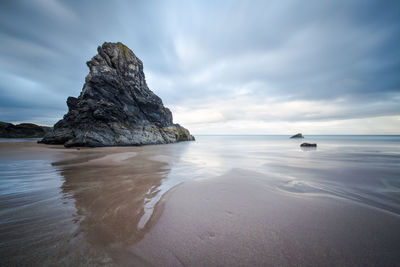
(222, 67)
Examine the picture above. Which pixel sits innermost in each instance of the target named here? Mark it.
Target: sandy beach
(239, 219)
(120, 206)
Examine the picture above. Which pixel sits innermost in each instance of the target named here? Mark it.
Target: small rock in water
(308, 145)
(299, 135)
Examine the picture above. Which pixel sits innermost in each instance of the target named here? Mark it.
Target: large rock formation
(115, 107)
(23, 130)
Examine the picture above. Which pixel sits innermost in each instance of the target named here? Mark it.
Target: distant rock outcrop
(23, 130)
(115, 107)
(299, 135)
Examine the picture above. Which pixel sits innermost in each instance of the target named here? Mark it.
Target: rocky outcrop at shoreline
(116, 107)
(23, 130)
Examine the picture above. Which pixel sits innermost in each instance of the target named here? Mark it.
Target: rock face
(308, 145)
(115, 107)
(23, 130)
(299, 135)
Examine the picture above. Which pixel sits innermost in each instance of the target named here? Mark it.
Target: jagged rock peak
(115, 56)
(116, 107)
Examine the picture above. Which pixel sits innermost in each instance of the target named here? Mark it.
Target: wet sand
(241, 219)
(101, 207)
(111, 207)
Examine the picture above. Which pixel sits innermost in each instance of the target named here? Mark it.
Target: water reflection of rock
(308, 148)
(110, 188)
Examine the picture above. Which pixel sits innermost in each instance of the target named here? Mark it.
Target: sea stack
(115, 107)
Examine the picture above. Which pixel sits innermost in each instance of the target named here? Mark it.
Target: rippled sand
(199, 204)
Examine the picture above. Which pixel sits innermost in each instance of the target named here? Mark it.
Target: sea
(39, 220)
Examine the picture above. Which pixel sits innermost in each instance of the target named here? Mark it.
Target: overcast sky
(222, 67)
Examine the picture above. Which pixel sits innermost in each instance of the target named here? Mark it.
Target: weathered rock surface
(308, 145)
(115, 107)
(299, 135)
(23, 130)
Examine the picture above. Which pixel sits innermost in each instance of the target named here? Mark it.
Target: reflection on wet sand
(111, 187)
(74, 207)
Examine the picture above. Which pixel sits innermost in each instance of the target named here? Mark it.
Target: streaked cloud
(232, 67)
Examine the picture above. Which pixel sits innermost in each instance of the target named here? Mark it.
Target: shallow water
(52, 211)
(360, 168)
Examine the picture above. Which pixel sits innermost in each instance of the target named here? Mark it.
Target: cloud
(265, 65)
(247, 108)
